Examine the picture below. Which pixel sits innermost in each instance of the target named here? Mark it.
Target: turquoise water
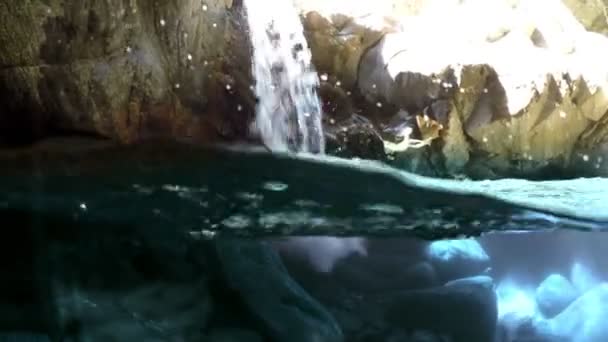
(178, 243)
(253, 193)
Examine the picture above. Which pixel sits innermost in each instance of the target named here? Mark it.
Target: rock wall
(518, 91)
(125, 70)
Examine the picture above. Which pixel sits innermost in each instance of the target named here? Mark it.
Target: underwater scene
(304, 171)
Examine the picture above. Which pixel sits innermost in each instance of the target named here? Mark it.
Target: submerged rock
(554, 294)
(284, 310)
(464, 310)
(455, 259)
(585, 319)
(123, 70)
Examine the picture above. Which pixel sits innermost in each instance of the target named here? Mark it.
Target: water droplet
(379, 104)
(239, 108)
(214, 25)
(324, 77)
(205, 62)
(585, 157)
(485, 139)
(374, 86)
(83, 206)
(128, 49)
(562, 114)
(189, 57)
(485, 90)
(162, 22)
(228, 87)
(177, 85)
(332, 121)
(204, 7)
(348, 93)
(338, 83)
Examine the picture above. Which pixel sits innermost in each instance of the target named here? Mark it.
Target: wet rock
(284, 310)
(354, 137)
(554, 294)
(500, 121)
(464, 310)
(455, 259)
(122, 70)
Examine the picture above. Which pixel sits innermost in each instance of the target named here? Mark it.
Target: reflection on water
(311, 249)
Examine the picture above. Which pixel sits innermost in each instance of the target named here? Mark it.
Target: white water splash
(288, 114)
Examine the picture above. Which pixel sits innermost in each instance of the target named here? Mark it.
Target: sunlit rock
(554, 294)
(458, 258)
(513, 76)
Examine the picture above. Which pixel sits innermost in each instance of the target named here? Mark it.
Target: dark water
(176, 243)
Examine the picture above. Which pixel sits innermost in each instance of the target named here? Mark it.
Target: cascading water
(288, 113)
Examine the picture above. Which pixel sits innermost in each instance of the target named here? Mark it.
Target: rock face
(455, 259)
(125, 70)
(498, 89)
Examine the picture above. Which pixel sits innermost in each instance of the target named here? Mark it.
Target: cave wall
(123, 69)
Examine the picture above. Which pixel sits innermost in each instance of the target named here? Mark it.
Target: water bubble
(324, 77)
(162, 22)
(237, 221)
(274, 186)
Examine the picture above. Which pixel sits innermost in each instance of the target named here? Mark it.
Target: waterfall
(288, 113)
